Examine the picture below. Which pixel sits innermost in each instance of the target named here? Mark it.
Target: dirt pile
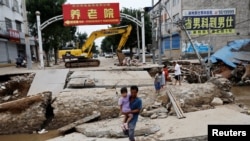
(15, 87)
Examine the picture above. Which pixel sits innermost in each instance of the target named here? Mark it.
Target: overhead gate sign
(91, 14)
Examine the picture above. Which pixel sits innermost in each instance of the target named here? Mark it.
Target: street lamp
(40, 39)
(143, 36)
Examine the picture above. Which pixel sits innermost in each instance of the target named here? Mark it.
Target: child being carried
(125, 107)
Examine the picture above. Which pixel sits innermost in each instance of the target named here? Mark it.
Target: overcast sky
(135, 4)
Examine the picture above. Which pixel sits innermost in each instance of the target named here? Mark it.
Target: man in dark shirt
(19, 61)
(135, 105)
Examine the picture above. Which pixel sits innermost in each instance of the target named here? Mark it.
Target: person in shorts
(177, 73)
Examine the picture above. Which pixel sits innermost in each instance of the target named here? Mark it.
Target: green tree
(54, 35)
(132, 40)
(81, 38)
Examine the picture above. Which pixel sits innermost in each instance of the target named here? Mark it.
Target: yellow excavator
(85, 59)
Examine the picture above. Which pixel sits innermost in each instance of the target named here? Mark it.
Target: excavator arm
(86, 60)
(124, 30)
(123, 41)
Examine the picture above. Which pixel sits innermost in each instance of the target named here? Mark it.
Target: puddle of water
(242, 94)
(30, 137)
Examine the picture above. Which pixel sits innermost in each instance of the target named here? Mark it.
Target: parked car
(147, 55)
(108, 55)
(95, 55)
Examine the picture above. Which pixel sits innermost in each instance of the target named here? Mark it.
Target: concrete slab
(48, 80)
(114, 75)
(111, 78)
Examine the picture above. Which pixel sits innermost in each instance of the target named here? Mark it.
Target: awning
(231, 54)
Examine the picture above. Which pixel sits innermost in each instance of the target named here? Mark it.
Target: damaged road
(88, 91)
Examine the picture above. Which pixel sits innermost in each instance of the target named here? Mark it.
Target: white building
(13, 28)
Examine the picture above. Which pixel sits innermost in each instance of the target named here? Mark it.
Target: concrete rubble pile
(16, 87)
(192, 97)
(131, 62)
(24, 115)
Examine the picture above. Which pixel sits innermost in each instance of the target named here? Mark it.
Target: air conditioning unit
(14, 8)
(2, 2)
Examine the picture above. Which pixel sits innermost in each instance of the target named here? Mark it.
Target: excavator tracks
(82, 63)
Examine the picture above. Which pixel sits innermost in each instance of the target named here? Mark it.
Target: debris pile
(16, 87)
(24, 115)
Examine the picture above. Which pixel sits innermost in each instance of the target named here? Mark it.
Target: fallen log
(71, 126)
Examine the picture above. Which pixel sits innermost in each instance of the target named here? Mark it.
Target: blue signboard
(200, 47)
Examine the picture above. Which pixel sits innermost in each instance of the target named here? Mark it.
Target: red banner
(14, 35)
(91, 14)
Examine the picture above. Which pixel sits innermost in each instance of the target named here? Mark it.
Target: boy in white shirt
(177, 73)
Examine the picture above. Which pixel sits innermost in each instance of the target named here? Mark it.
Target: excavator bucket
(120, 56)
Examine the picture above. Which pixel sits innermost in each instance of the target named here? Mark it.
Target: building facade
(13, 28)
(211, 24)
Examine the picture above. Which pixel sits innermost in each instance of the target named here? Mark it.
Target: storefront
(176, 39)
(12, 44)
(4, 37)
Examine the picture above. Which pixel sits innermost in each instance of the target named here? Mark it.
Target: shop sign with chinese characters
(14, 36)
(220, 21)
(91, 14)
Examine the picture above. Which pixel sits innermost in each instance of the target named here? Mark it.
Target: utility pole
(27, 38)
(181, 25)
(138, 38)
(171, 27)
(143, 36)
(209, 46)
(160, 36)
(153, 41)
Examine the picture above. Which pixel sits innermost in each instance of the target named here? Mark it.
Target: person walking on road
(135, 106)
(177, 72)
(157, 82)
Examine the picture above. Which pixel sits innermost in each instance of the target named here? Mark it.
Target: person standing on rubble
(177, 72)
(163, 81)
(166, 73)
(158, 82)
(135, 106)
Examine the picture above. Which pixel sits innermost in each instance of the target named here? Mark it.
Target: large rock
(112, 128)
(24, 115)
(196, 94)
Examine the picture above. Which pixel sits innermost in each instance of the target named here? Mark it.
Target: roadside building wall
(12, 35)
(175, 40)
